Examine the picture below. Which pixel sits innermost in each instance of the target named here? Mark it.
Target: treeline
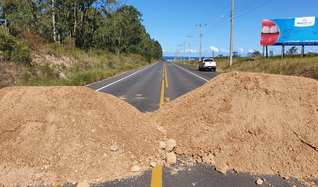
(87, 24)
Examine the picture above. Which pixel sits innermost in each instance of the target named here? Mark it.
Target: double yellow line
(156, 178)
(165, 79)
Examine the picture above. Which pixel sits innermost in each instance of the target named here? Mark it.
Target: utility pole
(201, 39)
(184, 50)
(180, 50)
(231, 43)
(190, 46)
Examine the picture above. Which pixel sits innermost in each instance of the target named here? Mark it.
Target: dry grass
(290, 65)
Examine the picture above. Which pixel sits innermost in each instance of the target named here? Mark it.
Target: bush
(21, 53)
(13, 49)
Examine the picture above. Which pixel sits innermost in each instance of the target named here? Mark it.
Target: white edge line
(191, 73)
(123, 78)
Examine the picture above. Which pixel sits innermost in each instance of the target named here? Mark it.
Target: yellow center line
(162, 96)
(162, 93)
(166, 76)
(156, 179)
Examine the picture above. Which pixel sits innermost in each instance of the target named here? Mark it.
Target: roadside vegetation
(291, 65)
(72, 42)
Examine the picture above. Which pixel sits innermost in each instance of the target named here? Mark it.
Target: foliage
(86, 24)
(13, 49)
(256, 53)
(292, 50)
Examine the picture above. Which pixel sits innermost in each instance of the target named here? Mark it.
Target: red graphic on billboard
(270, 32)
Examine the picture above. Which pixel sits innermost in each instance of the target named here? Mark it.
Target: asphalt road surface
(147, 89)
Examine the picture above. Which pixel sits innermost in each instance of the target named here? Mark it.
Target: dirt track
(247, 122)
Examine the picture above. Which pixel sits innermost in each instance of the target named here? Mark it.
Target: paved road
(147, 89)
(143, 88)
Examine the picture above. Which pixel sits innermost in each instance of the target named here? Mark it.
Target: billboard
(292, 31)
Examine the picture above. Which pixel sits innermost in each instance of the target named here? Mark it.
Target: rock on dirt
(170, 144)
(171, 158)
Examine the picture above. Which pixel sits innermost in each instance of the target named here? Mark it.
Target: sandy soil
(248, 122)
(54, 135)
(265, 124)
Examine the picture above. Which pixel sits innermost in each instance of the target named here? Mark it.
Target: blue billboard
(292, 31)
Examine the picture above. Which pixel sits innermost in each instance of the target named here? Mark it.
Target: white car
(208, 64)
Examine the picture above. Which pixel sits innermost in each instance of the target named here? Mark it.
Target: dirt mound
(255, 123)
(55, 135)
(250, 122)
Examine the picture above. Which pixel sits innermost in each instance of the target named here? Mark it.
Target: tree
(292, 50)
(271, 52)
(256, 53)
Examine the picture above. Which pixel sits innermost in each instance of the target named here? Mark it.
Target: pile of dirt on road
(59, 135)
(248, 122)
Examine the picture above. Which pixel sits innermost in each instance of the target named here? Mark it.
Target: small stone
(153, 164)
(178, 159)
(286, 178)
(83, 184)
(189, 169)
(211, 159)
(206, 159)
(222, 168)
(135, 163)
(171, 143)
(171, 158)
(162, 145)
(114, 148)
(193, 184)
(259, 182)
(178, 151)
(135, 169)
(167, 165)
(199, 160)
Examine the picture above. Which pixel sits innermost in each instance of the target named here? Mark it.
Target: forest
(86, 24)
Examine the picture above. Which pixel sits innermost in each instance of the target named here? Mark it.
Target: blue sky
(171, 21)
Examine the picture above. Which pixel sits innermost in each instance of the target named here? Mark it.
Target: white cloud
(224, 51)
(215, 49)
(192, 51)
(241, 50)
(250, 50)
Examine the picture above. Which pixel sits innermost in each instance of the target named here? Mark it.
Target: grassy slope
(290, 65)
(80, 68)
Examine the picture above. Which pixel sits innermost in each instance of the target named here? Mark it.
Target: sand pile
(249, 122)
(55, 135)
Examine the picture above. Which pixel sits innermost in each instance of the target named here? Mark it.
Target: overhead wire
(245, 6)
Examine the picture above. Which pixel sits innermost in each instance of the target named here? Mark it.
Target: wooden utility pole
(190, 46)
(53, 18)
(231, 42)
(201, 39)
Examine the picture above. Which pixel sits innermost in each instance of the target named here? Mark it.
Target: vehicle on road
(208, 64)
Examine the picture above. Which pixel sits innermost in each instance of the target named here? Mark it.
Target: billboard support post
(283, 51)
(302, 50)
(266, 52)
(263, 51)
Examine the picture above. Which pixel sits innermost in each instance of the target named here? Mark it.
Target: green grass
(289, 65)
(87, 67)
